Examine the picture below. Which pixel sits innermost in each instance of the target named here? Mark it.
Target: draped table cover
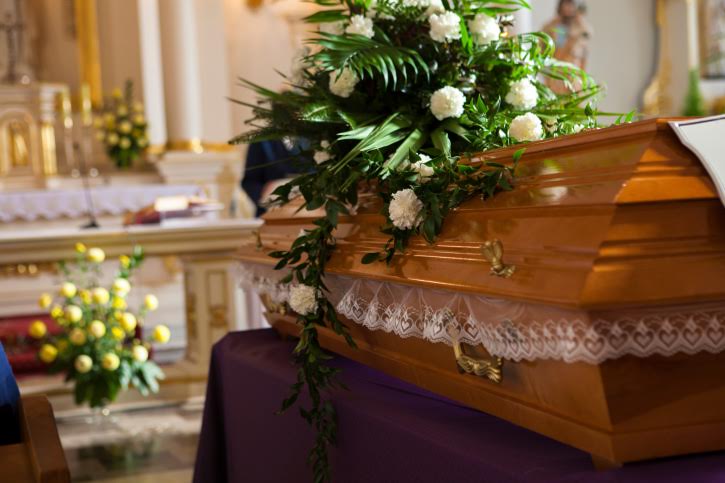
(389, 431)
(107, 200)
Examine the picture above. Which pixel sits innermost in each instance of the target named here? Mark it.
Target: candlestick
(86, 105)
(693, 56)
(66, 110)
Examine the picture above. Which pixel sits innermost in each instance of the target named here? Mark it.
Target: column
(152, 73)
(182, 74)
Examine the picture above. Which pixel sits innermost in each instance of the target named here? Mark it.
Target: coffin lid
(613, 218)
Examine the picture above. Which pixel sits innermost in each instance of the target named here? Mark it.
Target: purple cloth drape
(389, 431)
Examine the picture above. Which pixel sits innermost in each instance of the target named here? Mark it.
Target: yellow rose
(109, 118)
(85, 296)
(128, 321)
(138, 106)
(124, 143)
(125, 261)
(118, 333)
(77, 337)
(56, 312)
(73, 313)
(62, 345)
(162, 334)
(37, 329)
(118, 303)
(80, 248)
(83, 363)
(96, 255)
(140, 353)
(122, 111)
(110, 361)
(97, 329)
(125, 127)
(139, 119)
(117, 314)
(68, 290)
(100, 295)
(48, 353)
(121, 287)
(45, 300)
(117, 93)
(151, 302)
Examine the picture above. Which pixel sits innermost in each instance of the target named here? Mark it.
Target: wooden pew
(39, 457)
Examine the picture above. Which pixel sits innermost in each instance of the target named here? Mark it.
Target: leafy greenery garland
(384, 135)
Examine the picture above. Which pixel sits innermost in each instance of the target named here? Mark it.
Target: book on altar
(586, 304)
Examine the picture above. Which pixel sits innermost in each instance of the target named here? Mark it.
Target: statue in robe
(571, 33)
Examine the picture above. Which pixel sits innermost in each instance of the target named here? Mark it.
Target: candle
(66, 110)
(692, 47)
(86, 106)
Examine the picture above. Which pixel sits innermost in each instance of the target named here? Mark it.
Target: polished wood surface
(602, 222)
(39, 458)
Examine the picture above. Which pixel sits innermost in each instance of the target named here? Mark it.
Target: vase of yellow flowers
(122, 127)
(99, 346)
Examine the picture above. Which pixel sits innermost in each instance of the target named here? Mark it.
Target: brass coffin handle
(492, 251)
(490, 370)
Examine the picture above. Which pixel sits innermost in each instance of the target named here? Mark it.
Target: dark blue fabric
(267, 161)
(9, 398)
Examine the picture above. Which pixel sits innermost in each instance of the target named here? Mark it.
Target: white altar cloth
(107, 200)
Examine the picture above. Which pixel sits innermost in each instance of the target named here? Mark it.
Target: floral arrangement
(97, 348)
(394, 95)
(122, 127)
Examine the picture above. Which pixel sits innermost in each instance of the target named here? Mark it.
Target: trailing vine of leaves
(385, 137)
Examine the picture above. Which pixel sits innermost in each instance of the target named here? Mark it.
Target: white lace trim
(513, 330)
(107, 200)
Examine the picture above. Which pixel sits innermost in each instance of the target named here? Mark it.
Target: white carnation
(445, 27)
(360, 25)
(551, 125)
(321, 156)
(484, 29)
(527, 127)
(577, 128)
(334, 28)
(435, 6)
(342, 83)
(405, 209)
(522, 95)
(303, 299)
(447, 102)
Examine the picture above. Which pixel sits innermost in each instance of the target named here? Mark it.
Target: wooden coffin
(618, 241)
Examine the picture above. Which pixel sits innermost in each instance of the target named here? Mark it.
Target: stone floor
(138, 445)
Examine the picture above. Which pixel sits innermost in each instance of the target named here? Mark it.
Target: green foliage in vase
(97, 347)
(395, 96)
(122, 127)
(694, 102)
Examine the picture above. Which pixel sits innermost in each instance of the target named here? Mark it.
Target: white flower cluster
(323, 155)
(303, 299)
(360, 25)
(405, 209)
(523, 95)
(527, 127)
(447, 102)
(484, 29)
(424, 170)
(445, 27)
(343, 83)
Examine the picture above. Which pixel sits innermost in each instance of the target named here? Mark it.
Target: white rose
(445, 27)
(343, 83)
(484, 29)
(83, 363)
(405, 209)
(303, 299)
(527, 127)
(447, 102)
(334, 28)
(422, 168)
(360, 25)
(435, 6)
(140, 353)
(321, 156)
(110, 361)
(522, 95)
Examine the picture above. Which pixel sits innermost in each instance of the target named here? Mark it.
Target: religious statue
(571, 33)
